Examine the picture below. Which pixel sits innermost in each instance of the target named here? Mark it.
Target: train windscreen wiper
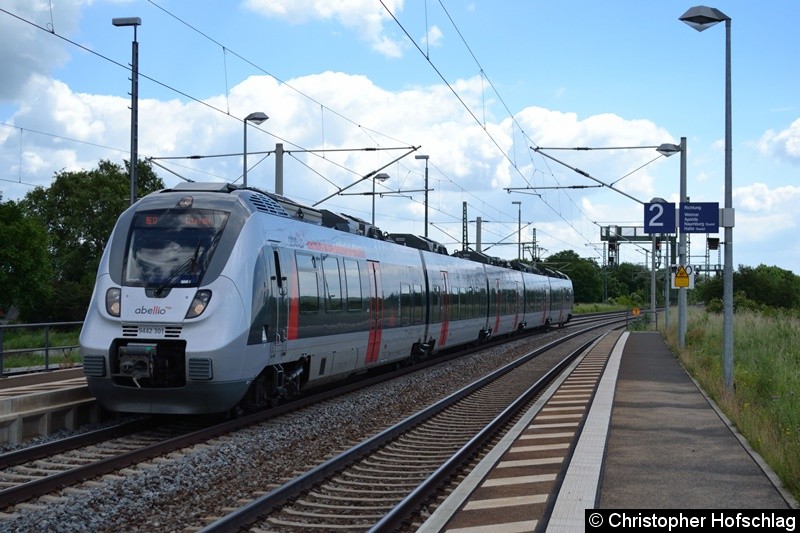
(189, 265)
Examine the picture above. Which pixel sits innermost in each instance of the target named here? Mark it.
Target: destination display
(699, 217)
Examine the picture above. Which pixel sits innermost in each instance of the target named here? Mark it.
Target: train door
(375, 311)
(498, 305)
(445, 310)
(280, 308)
(517, 302)
(559, 299)
(546, 302)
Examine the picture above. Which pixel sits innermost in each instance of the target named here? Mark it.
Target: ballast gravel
(186, 490)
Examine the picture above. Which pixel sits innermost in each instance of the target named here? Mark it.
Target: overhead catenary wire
(370, 132)
(472, 114)
(324, 109)
(176, 90)
(226, 50)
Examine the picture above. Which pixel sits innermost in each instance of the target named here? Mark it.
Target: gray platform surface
(668, 448)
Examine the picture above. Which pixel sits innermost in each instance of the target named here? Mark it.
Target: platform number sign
(659, 218)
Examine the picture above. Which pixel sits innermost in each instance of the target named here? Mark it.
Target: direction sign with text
(699, 217)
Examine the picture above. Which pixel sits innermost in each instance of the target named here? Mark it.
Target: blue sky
(473, 84)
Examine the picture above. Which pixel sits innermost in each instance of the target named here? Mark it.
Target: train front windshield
(171, 247)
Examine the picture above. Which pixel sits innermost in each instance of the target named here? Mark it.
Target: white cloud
(433, 37)
(24, 49)
(627, 169)
(784, 144)
(365, 17)
(465, 164)
(758, 197)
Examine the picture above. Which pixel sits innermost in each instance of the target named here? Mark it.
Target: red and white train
(210, 297)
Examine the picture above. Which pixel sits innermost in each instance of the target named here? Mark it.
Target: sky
(495, 93)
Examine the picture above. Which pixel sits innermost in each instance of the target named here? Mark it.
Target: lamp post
(668, 149)
(700, 18)
(519, 228)
(383, 177)
(256, 118)
(135, 22)
(425, 157)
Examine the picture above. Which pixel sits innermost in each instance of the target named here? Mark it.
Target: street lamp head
(256, 118)
(516, 202)
(126, 21)
(425, 157)
(702, 17)
(668, 149)
(383, 176)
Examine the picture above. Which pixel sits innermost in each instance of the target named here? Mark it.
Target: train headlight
(113, 301)
(199, 304)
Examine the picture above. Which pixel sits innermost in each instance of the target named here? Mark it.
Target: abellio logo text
(155, 310)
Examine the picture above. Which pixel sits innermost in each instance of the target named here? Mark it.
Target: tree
(766, 285)
(587, 279)
(79, 210)
(25, 270)
(769, 285)
(628, 279)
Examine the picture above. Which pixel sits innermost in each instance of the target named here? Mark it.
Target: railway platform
(33, 405)
(651, 439)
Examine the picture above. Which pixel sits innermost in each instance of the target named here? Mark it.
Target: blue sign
(659, 218)
(699, 217)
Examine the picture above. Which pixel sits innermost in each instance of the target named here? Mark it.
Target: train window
(352, 278)
(471, 302)
(418, 303)
(308, 289)
(172, 248)
(405, 304)
(306, 262)
(436, 310)
(333, 284)
(308, 292)
(278, 275)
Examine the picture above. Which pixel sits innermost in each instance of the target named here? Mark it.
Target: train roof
(419, 242)
(278, 205)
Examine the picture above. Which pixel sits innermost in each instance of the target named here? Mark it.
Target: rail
(45, 350)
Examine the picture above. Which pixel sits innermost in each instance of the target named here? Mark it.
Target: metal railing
(45, 350)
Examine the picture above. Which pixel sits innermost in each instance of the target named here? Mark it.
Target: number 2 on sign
(659, 213)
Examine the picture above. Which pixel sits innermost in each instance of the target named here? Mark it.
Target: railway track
(38, 470)
(35, 471)
(380, 483)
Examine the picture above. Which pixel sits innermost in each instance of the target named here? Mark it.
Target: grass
(34, 338)
(597, 308)
(765, 401)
